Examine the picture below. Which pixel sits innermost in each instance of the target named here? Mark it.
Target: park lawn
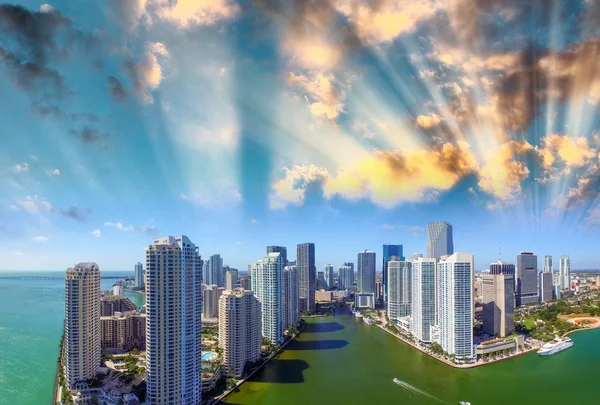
(529, 322)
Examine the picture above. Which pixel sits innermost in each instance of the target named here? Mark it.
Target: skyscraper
(423, 298)
(390, 252)
(346, 276)
(545, 286)
(174, 322)
(139, 275)
(291, 296)
(527, 279)
(565, 273)
(439, 239)
(215, 271)
(210, 301)
(548, 268)
(267, 283)
(455, 304)
(206, 278)
(321, 283)
(328, 276)
(502, 268)
(240, 330)
(498, 304)
(82, 324)
(366, 272)
(307, 273)
(280, 249)
(399, 289)
(231, 279)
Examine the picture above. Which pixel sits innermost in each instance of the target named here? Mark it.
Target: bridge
(27, 278)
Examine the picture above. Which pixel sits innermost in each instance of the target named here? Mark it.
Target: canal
(339, 360)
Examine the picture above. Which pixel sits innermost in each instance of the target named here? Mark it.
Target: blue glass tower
(388, 252)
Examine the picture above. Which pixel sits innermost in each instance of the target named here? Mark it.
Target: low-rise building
(364, 300)
(323, 296)
(495, 346)
(109, 304)
(123, 331)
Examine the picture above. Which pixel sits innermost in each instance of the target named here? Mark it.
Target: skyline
(243, 124)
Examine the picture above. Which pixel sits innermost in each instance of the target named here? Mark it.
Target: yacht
(557, 345)
(464, 403)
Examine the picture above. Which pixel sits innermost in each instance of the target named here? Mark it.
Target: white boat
(555, 346)
(464, 403)
(368, 321)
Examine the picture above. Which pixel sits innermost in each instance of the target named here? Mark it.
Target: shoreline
(135, 291)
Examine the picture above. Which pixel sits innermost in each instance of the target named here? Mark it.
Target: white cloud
(54, 172)
(239, 243)
(41, 239)
(19, 253)
(119, 226)
(46, 8)
(96, 232)
(254, 221)
(22, 167)
(593, 218)
(33, 205)
(207, 199)
(388, 226)
(185, 13)
(149, 229)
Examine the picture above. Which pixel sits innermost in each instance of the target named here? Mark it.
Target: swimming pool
(208, 356)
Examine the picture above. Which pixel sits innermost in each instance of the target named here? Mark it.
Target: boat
(368, 321)
(555, 346)
(397, 381)
(464, 403)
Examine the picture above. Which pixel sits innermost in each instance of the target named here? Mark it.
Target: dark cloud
(75, 213)
(117, 91)
(90, 135)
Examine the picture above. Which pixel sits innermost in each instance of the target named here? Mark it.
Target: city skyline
(382, 131)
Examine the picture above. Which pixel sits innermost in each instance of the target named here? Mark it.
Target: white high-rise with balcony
(82, 324)
(454, 280)
(267, 284)
(565, 273)
(240, 330)
(139, 275)
(399, 289)
(423, 298)
(174, 322)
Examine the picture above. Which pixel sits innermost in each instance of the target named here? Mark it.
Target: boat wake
(417, 390)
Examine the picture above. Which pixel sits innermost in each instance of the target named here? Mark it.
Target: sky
(347, 123)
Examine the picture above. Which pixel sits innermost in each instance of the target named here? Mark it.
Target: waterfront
(31, 324)
(340, 360)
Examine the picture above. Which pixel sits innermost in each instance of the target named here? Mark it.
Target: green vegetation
(436, 348)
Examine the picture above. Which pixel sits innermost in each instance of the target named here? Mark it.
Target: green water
(31, 324)
(339, 360)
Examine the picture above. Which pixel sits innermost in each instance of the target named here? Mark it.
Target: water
(31, 324)
(339, 360)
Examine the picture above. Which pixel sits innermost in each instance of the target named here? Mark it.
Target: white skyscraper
(399, 289)
(139, 275)
(439, 239)
(548, 268)
(423, 298)
(455, 305)
(240, 331)
(174, 322)
(565, 273)
(231, 279)
(267, 283)
(82, 324)
(346, 276)
(291, 296)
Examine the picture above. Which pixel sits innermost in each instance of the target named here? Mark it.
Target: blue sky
(348, 123)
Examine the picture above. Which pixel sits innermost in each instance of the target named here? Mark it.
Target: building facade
(240, 330)
(231, 279)
(328, 276)
(291, 296)
(215, 271)
(139, 275)
(390, 252)
(502, 268)
(366, 272)
(307, 273)
(123, 331)
(400, 290)
(545, 286)
(245, 283)
(498, 304)
(210, 301)
(173, 322)
(279, 249)
(548, 268)
(527, 279)
(109, 304)
(82, 324)
(440, 241)
(346, 276)
(423, 298)
(267, 284)
(455, 305)
(565, 273)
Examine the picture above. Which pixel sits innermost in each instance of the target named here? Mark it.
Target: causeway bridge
(27, 278)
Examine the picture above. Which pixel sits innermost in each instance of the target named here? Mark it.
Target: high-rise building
(545, 286)
(390, 252)
(439, 239)
(117, 290)
(346, 276)
(527, 279)
(210, 301)
(502, 268)
(415, 256)
(206, 277)
(455, 304)
(379, 292)
(423, 298)
(328, 276)
(240, 330)
(307, 272)
(82, 324)
(366, 272)
(173, 322)
(548, 268)
(291, 296)
(215, 271)
(245, 283)
(565, 273)
(139, 275)
(109, 304)
(498, 304)
(280, 249)
(267, 284)
(399, 289)
(231, 279)
(321, 283)
(123, 331)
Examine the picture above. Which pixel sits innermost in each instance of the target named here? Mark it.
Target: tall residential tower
(423, 298)
(307, 272)
(266, 276)
(527, 279)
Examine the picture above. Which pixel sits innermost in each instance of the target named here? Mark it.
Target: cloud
(254, 221)
(21, 167)
(185, 13)
(210, 200)
(428, 121)
(19, 253)
(388, 226)
(75, 213)
(363, 129)
(33, 205)
(90, 135)
(41, 239)
(292, 188)
(592, 219)
(558, 153)
(238, 243)
(148, 74)
(147, 229)
(325, 100)
(116, 89)
(54, 172)
(96, 232)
